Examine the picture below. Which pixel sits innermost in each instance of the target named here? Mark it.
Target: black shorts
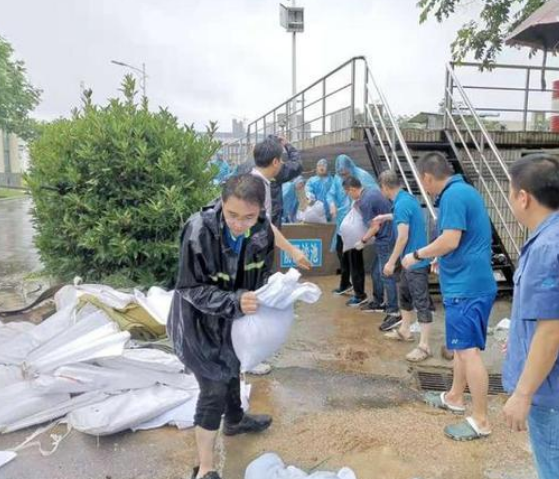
(414, 293)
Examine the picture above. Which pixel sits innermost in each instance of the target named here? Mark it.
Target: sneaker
(260, 370)
(342, 291)
(249, 424)
(209, 475)
(390, 322)
(356, 301)
(373, 307)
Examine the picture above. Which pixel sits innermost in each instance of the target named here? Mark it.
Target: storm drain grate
(430, 381)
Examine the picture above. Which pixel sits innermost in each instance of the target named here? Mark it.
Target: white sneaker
(260, 370)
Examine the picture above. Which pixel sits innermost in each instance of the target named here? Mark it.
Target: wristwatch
(416, 255)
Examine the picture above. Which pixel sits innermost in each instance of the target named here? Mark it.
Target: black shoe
(341, 291)
(390, 322)
(249, 424)
(209, 475)
(356, 301)
(373, 307)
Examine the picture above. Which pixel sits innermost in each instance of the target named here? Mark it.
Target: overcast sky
(217, 59)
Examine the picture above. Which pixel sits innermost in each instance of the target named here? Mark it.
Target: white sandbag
(11, 330)
(10, 375)
(315, 214)
(352, 229)
(270, 466)
(126, 411)
(68, 296)
(157, 303)
(6, 456)
(182, 417)
(87, 340)
(19, 401)
(153, 359)
(259, 336)
(56, 411)
(16, 350)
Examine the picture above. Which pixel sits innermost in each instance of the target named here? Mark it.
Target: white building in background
(14, 159)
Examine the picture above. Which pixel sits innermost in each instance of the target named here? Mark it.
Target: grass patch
(9, 193)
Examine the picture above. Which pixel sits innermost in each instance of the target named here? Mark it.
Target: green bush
(112, 187)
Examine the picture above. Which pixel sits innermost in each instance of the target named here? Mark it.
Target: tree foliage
(112, 187)
(483, 37)
(17, 96)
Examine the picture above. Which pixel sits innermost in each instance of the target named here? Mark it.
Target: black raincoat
(209, 286)
(291, 169)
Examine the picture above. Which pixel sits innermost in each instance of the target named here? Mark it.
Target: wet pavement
(340, 395)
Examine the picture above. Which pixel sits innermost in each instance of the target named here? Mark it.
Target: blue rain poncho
(290, 200)
(224, 170)
(337, 195)
(318, 187)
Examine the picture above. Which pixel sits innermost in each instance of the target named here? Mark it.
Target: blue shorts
(466, 321)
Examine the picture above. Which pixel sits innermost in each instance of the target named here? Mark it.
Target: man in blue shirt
(370, 203)
(467, 285)
(411, 234)
(531, 368)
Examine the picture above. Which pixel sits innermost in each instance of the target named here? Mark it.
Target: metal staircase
(347, 105)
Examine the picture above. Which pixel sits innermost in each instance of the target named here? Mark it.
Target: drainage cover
(436, 381)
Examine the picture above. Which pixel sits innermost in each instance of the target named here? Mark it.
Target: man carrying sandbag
(227, 252)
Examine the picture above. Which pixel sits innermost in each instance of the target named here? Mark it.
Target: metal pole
(352, 112)
(324, 106)
(294, 66)
(526, 101)
(144, 78)
(365, 94)
(446, 99)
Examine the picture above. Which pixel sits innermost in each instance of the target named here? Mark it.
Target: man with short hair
(411, 234)
(467, 286)
(370, 203)
(268, 165)
(227, 252)
(531, 368)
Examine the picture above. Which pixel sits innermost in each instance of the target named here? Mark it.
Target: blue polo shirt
(371, 204)
(466, 272)
(536, 297)
(407, 211)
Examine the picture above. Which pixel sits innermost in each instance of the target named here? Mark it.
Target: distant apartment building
(13, 159)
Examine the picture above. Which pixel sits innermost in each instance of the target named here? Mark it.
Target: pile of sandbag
(82, 364)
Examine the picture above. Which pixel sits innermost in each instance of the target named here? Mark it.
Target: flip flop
(396, 335)
(437, 400)
(418, 354)
(466, 430)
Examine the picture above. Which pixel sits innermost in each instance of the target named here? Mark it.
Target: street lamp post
(141, 71)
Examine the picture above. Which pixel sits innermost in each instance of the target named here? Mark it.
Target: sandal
(396, 335)
(438, 400)
(466, 430)
(418, 354)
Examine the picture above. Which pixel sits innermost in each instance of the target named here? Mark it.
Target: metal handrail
(398, 132)
(526, 89)
(451, 106)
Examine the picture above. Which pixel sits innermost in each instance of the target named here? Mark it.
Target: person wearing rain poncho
(227, 253)
(318, 187)
(351, 262)
(224, 170)
(291, 203)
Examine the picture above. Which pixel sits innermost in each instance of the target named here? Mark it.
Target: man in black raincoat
(226, 254)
